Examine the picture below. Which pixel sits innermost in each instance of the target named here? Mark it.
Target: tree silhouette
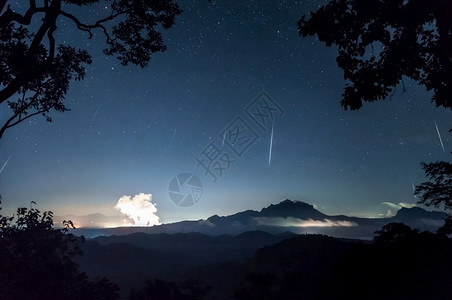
(36, 261)
(170, 290)
(400, 263)
(438, 191)
(393, 233)
(381, 41)
(36, 70)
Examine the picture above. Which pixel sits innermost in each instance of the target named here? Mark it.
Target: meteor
(174, 133)
(271, 147)
(224, 137)
(4, 165)
(95, 114)
(439, 136)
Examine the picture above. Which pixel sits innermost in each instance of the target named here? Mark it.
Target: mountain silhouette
(132, 259)
(288, 215)
(290, 208)
(418, 213)
(417, 217)
(250, 251)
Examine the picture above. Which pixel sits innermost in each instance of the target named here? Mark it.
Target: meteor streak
(95, 114)
(4, 165)
(174, 133)
(271, 147)
(224, 137)
(439, 136)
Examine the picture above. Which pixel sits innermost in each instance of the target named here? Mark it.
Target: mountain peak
(290, 204)
(291, 208)
(418, 212)
(412, 210)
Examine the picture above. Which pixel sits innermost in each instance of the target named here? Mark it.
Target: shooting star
(174, 133)
(414, 188)
(224, 137)
(439, 135)
(95, 114)
(271, 147)
(4, 165)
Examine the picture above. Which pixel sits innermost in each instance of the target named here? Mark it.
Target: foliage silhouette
(393, 233)
(381, 41)
(36, 261)
(169, 290)
(400, 263)
(438, 191)
(35, 70)
(395, 266)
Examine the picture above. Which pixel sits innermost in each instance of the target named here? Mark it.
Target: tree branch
(18, 113)
(7, 123)
(79, 24)
(2, 5)
(9, 16)
(98, 24)
(21, 111)
(49, 21)
(29, 116)
(51, 43)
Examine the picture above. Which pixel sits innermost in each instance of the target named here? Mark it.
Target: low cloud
(407, 205)
(391, 205)
(206, 223)
(396, 207)
(295, 222)
(400, 205)
(139, 208)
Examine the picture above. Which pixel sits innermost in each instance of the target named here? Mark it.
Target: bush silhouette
(36, 261)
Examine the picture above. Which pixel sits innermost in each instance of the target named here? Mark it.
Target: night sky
(132, 130)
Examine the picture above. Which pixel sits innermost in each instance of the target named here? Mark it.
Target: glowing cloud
(295, 222)
(407, 205)
(400, 205)
(390, 213)
(139, 208)
(392, 205)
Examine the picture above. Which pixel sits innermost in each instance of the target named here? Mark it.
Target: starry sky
(132, 130)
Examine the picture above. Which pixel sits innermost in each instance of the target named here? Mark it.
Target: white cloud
(139, 208)
(392, 205)
(396, 207)
(407, 205)
(295, 222)
(389, 214)
(206, 223)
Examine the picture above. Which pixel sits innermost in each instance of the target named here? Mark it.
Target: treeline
(400, 263)
(37, 262)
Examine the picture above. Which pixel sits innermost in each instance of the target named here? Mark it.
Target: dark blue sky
(132, 130)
